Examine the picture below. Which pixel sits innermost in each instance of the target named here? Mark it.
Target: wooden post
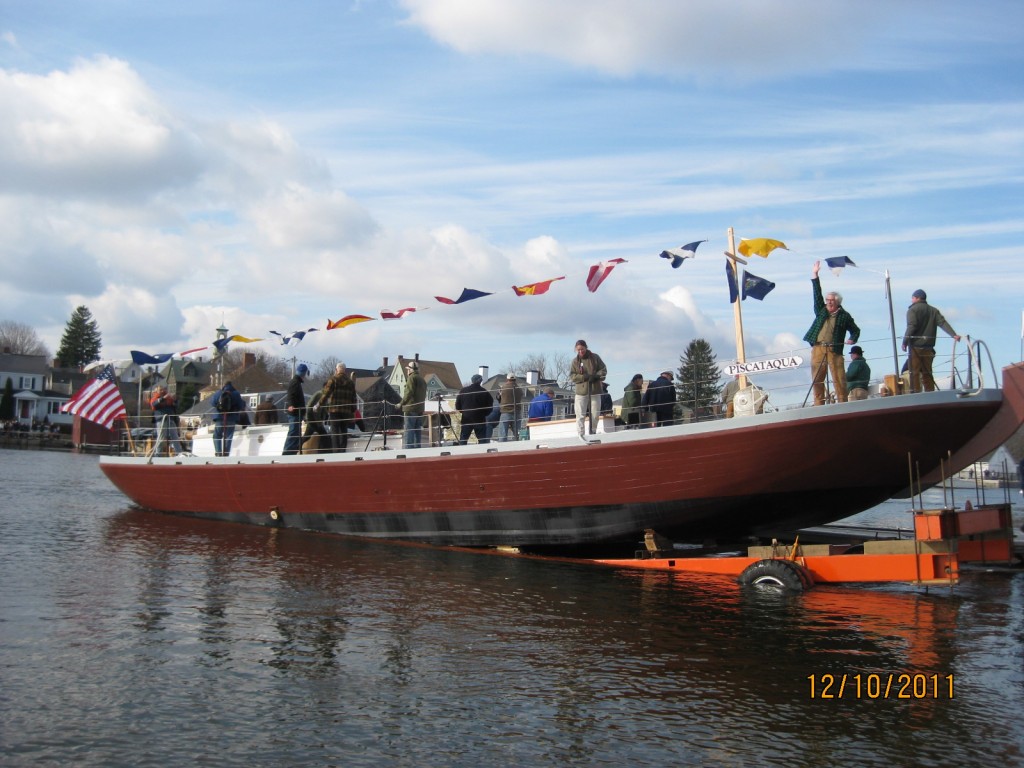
(741, 352)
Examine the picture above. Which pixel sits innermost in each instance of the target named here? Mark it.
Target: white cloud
(95, 129)
(692, 39)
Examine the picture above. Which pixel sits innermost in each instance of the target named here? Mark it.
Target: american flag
(99, 400)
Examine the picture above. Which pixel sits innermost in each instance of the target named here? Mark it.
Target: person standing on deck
(414, 397)
(474, 403)
(296, 400)
(660, 399)
(826, 334)
(165, 413)
(631, 401)
(224, 421)
(510, 398)
(587, 372)
(923, 322)
(339, 401)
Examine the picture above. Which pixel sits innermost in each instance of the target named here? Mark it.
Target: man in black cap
(660, 399)
(473, 404)
(857, 375)
(296, 401)
(923, 321)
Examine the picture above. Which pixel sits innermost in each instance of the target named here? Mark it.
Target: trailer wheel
(776, 574)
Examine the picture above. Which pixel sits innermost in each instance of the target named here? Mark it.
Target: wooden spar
(741, 352)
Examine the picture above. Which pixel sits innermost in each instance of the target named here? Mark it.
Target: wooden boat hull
(729, 478)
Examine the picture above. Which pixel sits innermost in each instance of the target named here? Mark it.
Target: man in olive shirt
(923, 321)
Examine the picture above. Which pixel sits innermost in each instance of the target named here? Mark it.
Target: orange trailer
(944, 538)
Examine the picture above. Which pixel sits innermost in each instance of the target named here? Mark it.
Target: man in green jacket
(826, 335)
(414, 396)
(587, 371)
(923, 321)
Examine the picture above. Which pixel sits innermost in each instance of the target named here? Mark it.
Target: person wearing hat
(923, 321)
(542, 406)
(826, 336)
(660, 399)
(857, 375)
(296, 408)
(510, 398)
(631, 395)
(587, 372)
(224, 421)
(473, 404)
(414, 397)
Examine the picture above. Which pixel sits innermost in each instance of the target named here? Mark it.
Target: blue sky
(274, 165)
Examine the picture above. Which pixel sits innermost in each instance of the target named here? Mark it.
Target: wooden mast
(735, 261)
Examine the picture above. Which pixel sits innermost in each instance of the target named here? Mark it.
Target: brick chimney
(248, 360)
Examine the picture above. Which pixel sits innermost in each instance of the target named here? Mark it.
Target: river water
(129, 638)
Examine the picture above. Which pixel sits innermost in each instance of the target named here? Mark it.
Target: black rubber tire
(776, 574)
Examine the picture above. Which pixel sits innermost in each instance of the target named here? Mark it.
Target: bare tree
(323, 370)
(554, 366)
(21, 339)
(276, 367)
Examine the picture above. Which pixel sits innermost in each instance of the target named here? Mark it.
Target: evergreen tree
(7, 401)
(187, 397)
(697, 379)
(80, 344)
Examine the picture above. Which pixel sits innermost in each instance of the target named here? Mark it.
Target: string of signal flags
(740, 287)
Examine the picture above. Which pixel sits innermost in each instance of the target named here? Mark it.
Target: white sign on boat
(765, 366)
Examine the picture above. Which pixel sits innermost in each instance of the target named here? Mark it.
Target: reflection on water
(131, 638)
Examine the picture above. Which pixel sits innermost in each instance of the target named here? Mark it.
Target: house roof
(446, 373)
(12, 363)
(189, 371)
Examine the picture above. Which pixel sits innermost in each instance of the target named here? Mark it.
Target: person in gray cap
(510, 397)
(414, 396)
(857, 375)
(296, 407)
(473, 404)
(923, 320)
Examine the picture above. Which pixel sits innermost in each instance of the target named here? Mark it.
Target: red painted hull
(747, 476)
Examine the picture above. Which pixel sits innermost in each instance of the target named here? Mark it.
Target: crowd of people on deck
(484, 416)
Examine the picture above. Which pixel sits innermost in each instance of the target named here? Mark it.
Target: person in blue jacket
(225, 419)
(542, 407)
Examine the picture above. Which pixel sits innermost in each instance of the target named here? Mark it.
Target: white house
(37, 398)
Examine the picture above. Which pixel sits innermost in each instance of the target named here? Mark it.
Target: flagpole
(138, 398)
(741, 352)
(892, 327)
